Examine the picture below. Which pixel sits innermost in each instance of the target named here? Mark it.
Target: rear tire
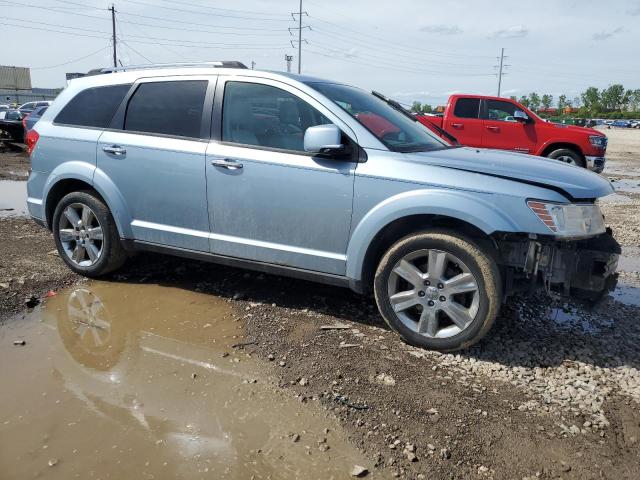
(567, 156)
(438, 290)
(86, 235)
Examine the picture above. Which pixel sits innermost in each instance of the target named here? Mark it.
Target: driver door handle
(457, 125)
(493, 128)
(114, 150)
(226, 163)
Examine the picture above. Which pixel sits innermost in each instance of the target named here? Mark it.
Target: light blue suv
(313, 179)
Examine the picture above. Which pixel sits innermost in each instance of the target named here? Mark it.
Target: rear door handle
(457, 125)
(226, 163)
(114, 150)
(493, 128)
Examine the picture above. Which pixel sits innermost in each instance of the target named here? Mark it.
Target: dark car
(31, 106)
(621, 123)
(30, 120)
(11, 126)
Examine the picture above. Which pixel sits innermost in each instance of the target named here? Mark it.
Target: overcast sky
(409, 49)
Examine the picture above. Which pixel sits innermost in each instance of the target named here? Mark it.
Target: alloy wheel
(81, 235)
(567, 159)
(433, 293)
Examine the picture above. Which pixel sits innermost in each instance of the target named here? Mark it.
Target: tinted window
(14, 115)
(266, 116)
(42, 104)
(93, 107)
(467, 108)
(170, 108)
(39, 111)
(503, 111)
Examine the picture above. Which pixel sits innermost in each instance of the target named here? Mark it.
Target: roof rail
(221, 64)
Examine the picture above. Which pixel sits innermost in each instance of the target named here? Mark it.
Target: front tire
(86, 235)
(438, 290)
(567, 156)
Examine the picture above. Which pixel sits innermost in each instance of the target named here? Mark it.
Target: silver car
(313, 179)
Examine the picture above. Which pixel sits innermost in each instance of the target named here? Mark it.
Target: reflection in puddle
(627, 294)
(130, 381)
(568, 319)
(629, 260)
(627, 185)
(13, 198)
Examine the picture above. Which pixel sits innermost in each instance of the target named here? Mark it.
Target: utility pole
(253, 64)
(300, 40)
(288, 59)
(113, 29)
(502, 67)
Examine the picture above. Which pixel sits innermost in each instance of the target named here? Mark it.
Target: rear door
(503, 132)
(155, 156)
(463, 121)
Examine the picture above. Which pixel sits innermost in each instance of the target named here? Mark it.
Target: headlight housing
(569, 219)
(599, 141)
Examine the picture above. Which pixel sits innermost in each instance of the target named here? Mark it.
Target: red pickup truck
(494, 122)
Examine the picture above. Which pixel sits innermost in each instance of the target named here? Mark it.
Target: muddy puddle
(142, 381)
(627, 185)
(13, 198)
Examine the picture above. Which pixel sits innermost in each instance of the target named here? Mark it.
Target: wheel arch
(557, 145)
(399, 217)
(75, 176)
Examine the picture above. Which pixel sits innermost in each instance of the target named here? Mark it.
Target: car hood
(574, 182)
(574, 129)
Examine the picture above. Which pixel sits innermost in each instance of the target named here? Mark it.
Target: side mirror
(323, 139)
(520, 116)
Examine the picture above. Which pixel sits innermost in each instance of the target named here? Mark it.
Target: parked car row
(15, 123)
(305, 177)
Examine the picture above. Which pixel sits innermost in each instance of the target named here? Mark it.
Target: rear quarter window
(93, 107)
(167, 108)
(467, 108)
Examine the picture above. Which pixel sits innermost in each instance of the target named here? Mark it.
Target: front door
(503, 131)
(157, 162)
(269, 200)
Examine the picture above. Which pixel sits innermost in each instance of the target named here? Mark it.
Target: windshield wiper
(395, 105)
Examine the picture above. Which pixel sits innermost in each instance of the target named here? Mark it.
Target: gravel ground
(552, 392)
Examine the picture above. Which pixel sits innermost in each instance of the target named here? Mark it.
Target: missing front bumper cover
(584, 268)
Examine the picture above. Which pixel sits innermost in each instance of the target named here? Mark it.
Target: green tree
(546, 101)
(524, 100)
(562, 102)
(534, 101)
(416, 107)
(612, 96)
(591, 100)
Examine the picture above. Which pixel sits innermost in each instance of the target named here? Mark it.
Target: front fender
(89, 174)
(478, 210)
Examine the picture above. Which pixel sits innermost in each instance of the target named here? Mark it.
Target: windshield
(398, 132)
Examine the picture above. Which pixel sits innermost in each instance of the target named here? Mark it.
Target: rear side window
(93, 107)
(467, 108)
(168, 108)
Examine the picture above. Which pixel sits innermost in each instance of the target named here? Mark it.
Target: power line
(71, 61)
(193, 12)
(300, 40)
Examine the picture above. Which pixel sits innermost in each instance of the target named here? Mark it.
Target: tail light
(31, 139)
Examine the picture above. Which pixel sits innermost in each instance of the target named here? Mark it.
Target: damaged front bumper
(581, 268)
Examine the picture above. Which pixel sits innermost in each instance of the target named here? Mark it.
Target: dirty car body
(287, 174)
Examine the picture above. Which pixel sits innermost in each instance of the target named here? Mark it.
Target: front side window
(93, 107)
(394, 129)
(467, 108)
(167, 108)
(266, 116)
(501, 111)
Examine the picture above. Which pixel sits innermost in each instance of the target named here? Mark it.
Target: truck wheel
(86, 235)
(438, 290)
(567, 156)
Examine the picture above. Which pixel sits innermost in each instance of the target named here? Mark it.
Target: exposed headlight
(569, 220)
(599, 141)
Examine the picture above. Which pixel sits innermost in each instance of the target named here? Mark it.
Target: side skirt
(310, 275)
